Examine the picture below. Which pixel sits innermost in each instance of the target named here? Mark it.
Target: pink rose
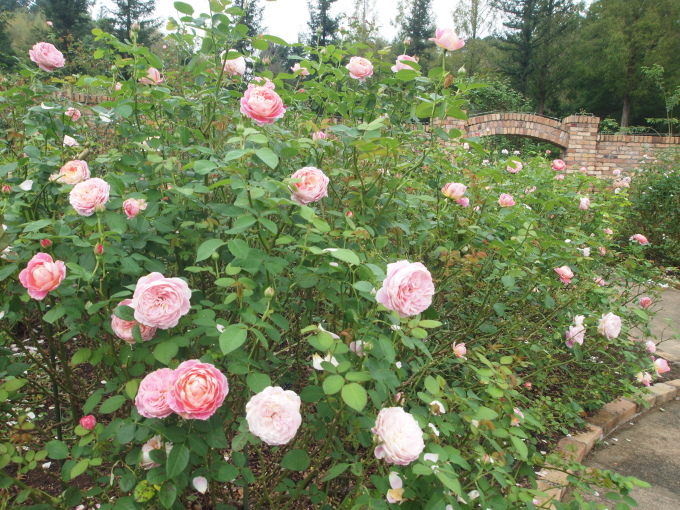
(42, 275)
(357, 347)
(516, 419)
(70, 141)
(454, 190)
(640, 239)
(118, 86)
(235, 66)
(602, 250)
(155, 443)
(151, 400)
(46, 56)
(313, 185)
(576, 333)
(506, 200)
(359, 68)
(262, 104)
(89, 196)
(132, 207)
(645, 378)
(608, 231)
(399, 435)
(396, 493)
(273, 415)
(49, 23)
(514, 166)
(197, 390)
(464, 202)
(609, 326)
(584, 204)
(73, 113)
(159, 301)
(599, 280)
(318, 135)
(123, 329)
(558, 165)
(661, 366)
(72, 172)
(447, 39)
(407, 289)
(616, 172)
(645, 302)
(583, 170)
(153, 77)
(303, 70)
(400, 64)
(459, 350)
(565, 273)
(650, 347)
(88, 422)
(559, 177)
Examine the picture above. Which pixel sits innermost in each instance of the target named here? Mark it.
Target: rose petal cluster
(153, 77)
(558, 165)
(197, 390)
(133, 206)
(565, 273)
(407, 288)
(401, 64)
(72, 172)
(74, 113)
(400, 438)
(159, 301)
(584, 204)
(609, 326)
(303, 70)
(454, 190)
(506, 200)
(88, 422)
(640, 239)
(447, 39)
(89, 196)
(273, 415)
(645, 302)
(47, 56)
(360, 68)
(262, 104)
(42, 275)
(155, 443)
(313, 185)
(235, 66)
(515, 167)
(661, 366)
(123, 329)
(151, 400)
(645, 378)
(318, 135)
(576, 333)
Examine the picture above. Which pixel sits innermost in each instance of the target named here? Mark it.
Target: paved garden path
(648, 447)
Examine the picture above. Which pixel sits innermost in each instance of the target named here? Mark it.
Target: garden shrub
(322, 314)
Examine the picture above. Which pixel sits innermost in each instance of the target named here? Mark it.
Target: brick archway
(537, 127)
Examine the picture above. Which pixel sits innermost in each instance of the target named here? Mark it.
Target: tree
(7, 55)
(473, 19)
(70, 18)
(322, 25)
(418, 26)
(128, 12)
(252, 19)
(365, 19)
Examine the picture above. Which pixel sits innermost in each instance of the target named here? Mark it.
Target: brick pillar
(582, 149)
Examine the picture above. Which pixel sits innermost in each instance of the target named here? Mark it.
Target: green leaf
(429, 324)
(204, 166)
(168, 492)
(296, 460)
(451, 483)
(184, 9)
(354, 396)
(54, 314)
(79, 468)
(268, 156)
(521, 448)
(81, 356)
(177, 460)
(124, 110)
(165, 351)
(239, 248)
(335, 471)
(37, 225)
(208, 248)
(257, 381)
(144, 492)
(346, 256)
(57, 450)
(112, 404)
(124, 312)
(508, 281)
(332, 384)
(233, 337)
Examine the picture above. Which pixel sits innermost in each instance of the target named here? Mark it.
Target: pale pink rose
(514, 167)
(42, 275)
(454, 190)
(401, 65)
(49, 23)
(318, 135)
(583, 170)
(118, 86)
(123, 329)
(447, 39)
(357, 347)
(72, 172)
(645, 302)
(159, 301)
(645, 378)
(602, 250)
(616, 172)
(151, 400)
(640, 239)
(548, 152)
(558, 165)
(70, 141)
(506, 200)
(466, 146)
(650, 347)
(530, 190)
(235, 66)
(153, 77)
(197, 390)
(303, 70)
(89, 196)
(516, 419)
(396, 492)
(407, 288)
(576, 333)
(459, 350)
(661, 366)
(132, 207)
(584, 204)
(313, 185)
(88, 422)
(464, 202)
(516, 153)
(359, 68)
(73, 113)
(608, 231)
(263, 105)
(155, 443)
(505, 152)
(261, 81)
(565, 273)
(399, 436)
(273, 415)
(46, 56)
(599, 280)
(609, 326)
(559, 177)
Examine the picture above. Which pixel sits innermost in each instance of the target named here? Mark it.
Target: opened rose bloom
(46, 56)
(132, 207)
(360, 68)
(645, 302)
(303, 70)
(454, 190)
(609, 326)
(558, 165)
(153, 77)
(73, 113)
(459, 350)
(400, 438)
(123, 329)
(318, 135)
(72, 172)
(313, 185)
(151, 400)
(584, 204)
(262, 104)
(447, 39)
(506, 200)
(89, 196)
(273, 415)
(235, 66)
(407, 288)
(69, 141)
(565, 273)
(159, 301)
(661, 366)
(42, 275)
(645, 378)
(640, 239)
(650, 346)
(197, 390)
(155, 443)
(401, 64)
(576, 333)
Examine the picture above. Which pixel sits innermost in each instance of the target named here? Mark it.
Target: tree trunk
(625, 115)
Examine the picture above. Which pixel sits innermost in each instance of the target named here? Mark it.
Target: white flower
(436, 407)
(200, 484)
(320, 328)
(26, 185)
(220, 328)
(398, 364)
(434, 429)
(317, 360)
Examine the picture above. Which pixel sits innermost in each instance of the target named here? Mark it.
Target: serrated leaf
(81, 356)
(239, 248)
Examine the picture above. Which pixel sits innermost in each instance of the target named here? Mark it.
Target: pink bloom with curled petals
(401, 64)
(263, 105)
(454, 190)
(313, 185)
(459, 350)
(73, 113)
(559, 177)
(359, 68)
(88, 422)
(640, 239)
(318, 135)
(42, 275)
(584, 204)
(159, 301)
(645, 378)
(123, 329)
(153, 77)
(661, 366)
(407, 288)
(565, 273)
(89, 196)
(46, 56)
(235, 66)
(650, 347)
(400, 438)
(514, 166)
(447, 39)
(72, 172)
(197, 390)
(303, 70)
(609, 326)
(558, 165)
(464, 202)
(645, 302)
(133, 206)
(151, 400)
(274, 416)
(506, 200)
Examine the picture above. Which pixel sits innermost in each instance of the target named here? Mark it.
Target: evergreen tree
(252, 19)
(128, 12)
(365, 19)
(70, 19)
(322, 26)
(418, 26)
(7, 55)
(472, 20)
